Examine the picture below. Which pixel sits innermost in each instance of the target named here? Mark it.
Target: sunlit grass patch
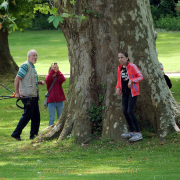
(100, 159)
(50, 45)
(175, 88)
(168, 45)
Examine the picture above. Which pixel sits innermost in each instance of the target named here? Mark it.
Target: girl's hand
(118, 92)
(56, 68)
(129, 84)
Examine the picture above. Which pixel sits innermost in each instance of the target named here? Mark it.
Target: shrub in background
(162, 8)
(166, 14)
(168, 23)
(40, 22)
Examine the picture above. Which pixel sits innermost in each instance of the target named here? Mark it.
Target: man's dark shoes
(16, 138)
(31, 138)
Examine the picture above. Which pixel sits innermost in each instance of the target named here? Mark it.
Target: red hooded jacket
(135, 76)
(56, 94)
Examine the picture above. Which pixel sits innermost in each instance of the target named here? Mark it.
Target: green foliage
(167, 7)
(73, 2)
(65, 15)
(16, 14)
(43, 21)
(89, 11)
(75, 16)
(4, 5)
(42, 8)
(82, 17)
(164, 8)
(55, 18)
(168, 23)
(166, 15)
(96, 115)
(155, 13)
(40, 22)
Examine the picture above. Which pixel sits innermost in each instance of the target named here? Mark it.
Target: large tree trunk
(93, 48)
(8, 66)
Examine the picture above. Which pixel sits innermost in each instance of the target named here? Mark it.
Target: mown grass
(175, 88)
(52, 47)
(101, 159)
(168, 45)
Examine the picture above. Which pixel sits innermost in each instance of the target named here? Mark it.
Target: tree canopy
(16, 14)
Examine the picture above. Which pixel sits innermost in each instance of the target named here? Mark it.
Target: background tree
(162, 8)
(14, 15)
(111, 27)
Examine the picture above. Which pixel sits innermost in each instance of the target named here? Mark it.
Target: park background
(51, 45)
(103, 158)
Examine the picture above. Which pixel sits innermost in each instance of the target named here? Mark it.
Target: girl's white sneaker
(136, 137)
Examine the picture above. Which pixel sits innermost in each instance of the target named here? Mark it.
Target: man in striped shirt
(26, 86)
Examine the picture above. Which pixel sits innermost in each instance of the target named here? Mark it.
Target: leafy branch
(55, 18)
(6, 20)
(73, 2)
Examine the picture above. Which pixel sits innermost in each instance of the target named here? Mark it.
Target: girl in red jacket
(56, 95)
(129, 77)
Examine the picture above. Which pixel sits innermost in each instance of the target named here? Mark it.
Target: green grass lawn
(168, 46)
(50, 45)
(175, 88)
(102, 159)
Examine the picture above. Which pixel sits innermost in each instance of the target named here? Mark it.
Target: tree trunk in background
(93, 47)
(8, 66)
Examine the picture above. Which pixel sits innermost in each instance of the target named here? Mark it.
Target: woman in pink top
(56, 95)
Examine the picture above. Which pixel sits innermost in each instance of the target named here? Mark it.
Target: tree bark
(93, 46)
(8, 66)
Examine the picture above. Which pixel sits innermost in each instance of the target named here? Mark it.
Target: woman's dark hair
(126, 55)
